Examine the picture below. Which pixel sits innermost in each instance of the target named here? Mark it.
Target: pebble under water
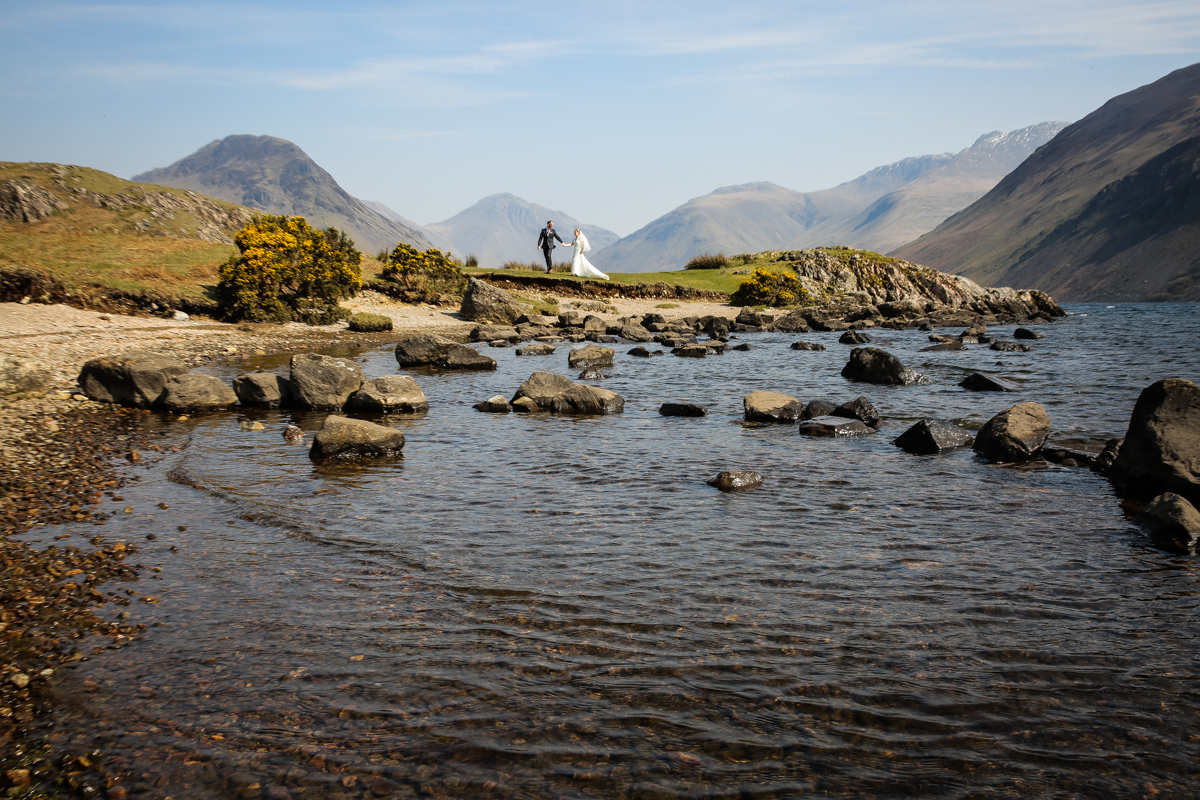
(532, 606)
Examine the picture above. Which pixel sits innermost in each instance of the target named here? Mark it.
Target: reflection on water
(537, 606)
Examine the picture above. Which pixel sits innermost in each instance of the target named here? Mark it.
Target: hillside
(505, 227)
(84, 226)
(878, 210)
(1108, 210)
(276, 176)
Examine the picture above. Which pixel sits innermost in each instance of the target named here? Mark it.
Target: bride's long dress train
(580, 266)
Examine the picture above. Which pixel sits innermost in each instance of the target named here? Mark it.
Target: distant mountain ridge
(504, 227)
(276, 176)
(1108, 210)
(881, 209)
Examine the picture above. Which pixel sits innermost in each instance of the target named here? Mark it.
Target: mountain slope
(503, 227)
(439, 241)
(920, 205)
(1108, 210)
(276, 176)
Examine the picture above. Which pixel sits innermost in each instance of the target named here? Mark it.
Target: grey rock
(736, 481)
(583, 400)
(23, 375)
(802, 345)
(1015, 434)
(1161, 452)
(27, 202)
(592, 374)
(261, 388)
(944, 347)
(594, 324)
(542, 387)
(494, 405)
(978, 382)
(525, 404)
(860, 409)
(682, 410)
(1068, 458)
(323, 383)
(421, 351)
(854, 337)
(342, 437)
(691, 351)
(293, 434)
(484, 303)
(136, 379)
(500, 343)
(833, 426)
(930, 436)
(817, 408)
(591, 356)
(792, 323)
(1104, 461)
(537, 349)
(872, 365)
(771, 407)
(639, 352)
(743, 347)
(1172, 523)
(391, 394)
(490, 333)
(1025, 333)
(1010, 347)
(635, 333)
(193, 392)
(460, 356)
(180, 316)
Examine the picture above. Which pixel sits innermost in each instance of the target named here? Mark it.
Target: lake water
(531, 606)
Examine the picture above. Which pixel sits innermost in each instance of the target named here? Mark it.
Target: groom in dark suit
(546, 243)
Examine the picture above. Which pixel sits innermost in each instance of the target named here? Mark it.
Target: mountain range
(1108, 210)
(879, 210)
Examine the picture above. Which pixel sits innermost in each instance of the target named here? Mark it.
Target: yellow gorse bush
(287, 270)
(769, 289)
(428, 270)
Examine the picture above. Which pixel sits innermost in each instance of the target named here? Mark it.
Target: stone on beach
(872, 365)
(485, 303)
(978, 382)
(398, 394)
(193, 392)
(323, 383)
(591, 356)
(262, 388)
(494, 405)
(1172, 523)
(136, 379)
(682, 410)
(20, 375)
(771, 407)
(1161, 452)
(930, 436)
(1015, 434)
(736, 481)
(834, 426)
(342, 437)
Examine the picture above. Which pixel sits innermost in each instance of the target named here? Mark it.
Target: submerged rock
(137, 379)
(944, 347)
(682, 410)
(1161, 452)
(833, 426)
(771, 407)
(592, 374)
(323, 383)
(1025, 333)
(930, 436)
(494, 405)
(736, 481)
(525, 404)
(1172, 523)
(1015, 434)
(978, 382)
(639, 352)
(803, 345)
(193, 392)
(397, 394)
(342, 437)
(872, 365)
(1010, 347)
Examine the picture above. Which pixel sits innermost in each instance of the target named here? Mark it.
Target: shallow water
(540, 606)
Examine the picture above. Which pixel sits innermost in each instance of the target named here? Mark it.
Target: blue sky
(615, 112)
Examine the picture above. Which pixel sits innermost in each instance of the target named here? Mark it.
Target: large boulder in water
(592, 355)
(394, 394)
(341, 437)
(136, 379)
(771, 407)
(264, 389)
(583, 400)
(193, 392)
(323, 383)
(484, 303)
(930, 436)
(427, 350)
(872, 365)
(978, 382)
(1172, 523)
(1015, 434)
(542, 387)
(1161, 452)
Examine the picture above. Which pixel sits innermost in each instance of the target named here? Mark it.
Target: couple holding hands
(580, 266)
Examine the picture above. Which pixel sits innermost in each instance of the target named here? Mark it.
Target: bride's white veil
(586, 245)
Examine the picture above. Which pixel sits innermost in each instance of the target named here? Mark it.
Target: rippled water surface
(540, 606)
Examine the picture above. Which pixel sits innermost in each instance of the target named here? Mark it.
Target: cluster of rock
(568, 287)
(548, 391)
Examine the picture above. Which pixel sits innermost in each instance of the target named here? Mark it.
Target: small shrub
(370, 323)
(667, 305)
(525, 266)
(769, 289)
(747, 257)
(287, 270)
(431, 272)
(719, 261)
(472, 261)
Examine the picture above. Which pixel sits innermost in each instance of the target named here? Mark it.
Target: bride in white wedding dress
(580, 266)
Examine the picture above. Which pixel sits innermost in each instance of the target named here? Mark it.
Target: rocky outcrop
(682, 410)
(428, 350)
(872, 365)
(26, 202)
(1161, 452)
(23, 375)
(494, 405)
(342, 437)
(1172, 523)
(193, 392)
(833, 426)
(978, 382)
(736, 481)
(771, 407)
(542, 387)
(584, 400)
(485, 303)
(391, 394)
(591, 356)
(1015, 434)
(323, 383)
(931, 436)
(136, 379)
(263, 389)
